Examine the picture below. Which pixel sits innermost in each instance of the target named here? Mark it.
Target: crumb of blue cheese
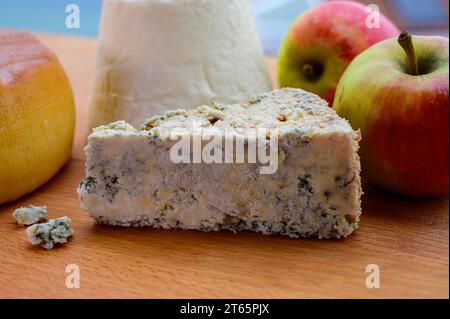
(55, 231)
(30, 215)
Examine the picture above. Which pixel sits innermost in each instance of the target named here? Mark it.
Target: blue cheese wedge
(55, 231)
(30, 215)
(315, 190)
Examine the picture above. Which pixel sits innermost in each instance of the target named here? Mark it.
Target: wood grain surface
(407, 238)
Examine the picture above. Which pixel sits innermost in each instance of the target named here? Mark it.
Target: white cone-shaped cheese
(156, 55)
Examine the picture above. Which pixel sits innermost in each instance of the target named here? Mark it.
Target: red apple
(397, 93)
(324, 40)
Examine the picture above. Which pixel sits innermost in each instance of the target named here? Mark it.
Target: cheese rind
(131, 180)
(159, 55)
(37, 115)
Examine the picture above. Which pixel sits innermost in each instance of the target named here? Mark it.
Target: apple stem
(406, 42)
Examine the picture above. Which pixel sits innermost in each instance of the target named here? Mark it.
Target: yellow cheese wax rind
(37, 116)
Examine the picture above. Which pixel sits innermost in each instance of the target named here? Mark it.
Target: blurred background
(273, 17)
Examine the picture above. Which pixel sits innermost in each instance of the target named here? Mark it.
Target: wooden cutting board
(407, 238)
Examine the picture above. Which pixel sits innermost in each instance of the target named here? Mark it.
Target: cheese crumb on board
(315, 192)
(55, 231)
(30, 215)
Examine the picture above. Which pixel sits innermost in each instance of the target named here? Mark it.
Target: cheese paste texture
(47, 235)
(30, 215)
(156, 55)
(315, 192)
